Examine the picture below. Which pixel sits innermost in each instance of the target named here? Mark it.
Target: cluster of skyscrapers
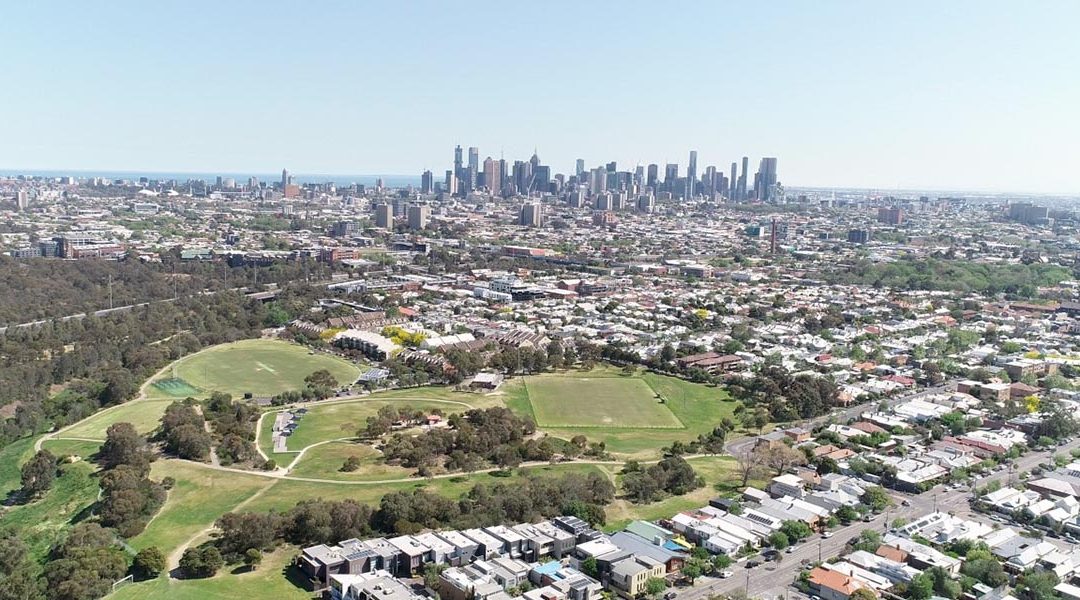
(531, 178)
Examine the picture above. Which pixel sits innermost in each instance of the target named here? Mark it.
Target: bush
(201, 562)
(149, 563)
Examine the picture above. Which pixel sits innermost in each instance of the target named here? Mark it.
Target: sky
(956, 95)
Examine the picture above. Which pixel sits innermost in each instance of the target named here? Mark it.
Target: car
(770, 557)
(827, 535)
(869, 517)
(791, 549)
(750, 564)
(726, 574)
(670, 596)
(905, 503)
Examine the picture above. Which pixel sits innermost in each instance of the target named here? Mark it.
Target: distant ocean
(388, 180)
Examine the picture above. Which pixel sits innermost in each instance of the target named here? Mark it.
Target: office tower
(474, 166)
(742, 178)
(612, 167)
(579, 168)
(531, 215)
(576, 198)
(691, 175)
(671, 174)
(639, 176)
(284, 178)
(709, 182)
(450, 185)
(605, 201)
(541, 179)
(858, 236)
(597, 180)
(427, 183)
(733, 183)
(521, 174)
(890, 216)
(645, 203)
(418, 216)
(767, 169)
(457, 160)
(493, 176)
(384, 216)
(651, 178)
(22, 200)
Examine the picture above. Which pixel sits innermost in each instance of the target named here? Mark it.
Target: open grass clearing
(324, 462)
(260, 367)
(145, 415)
(589, 401)
(43, 522)
(198, 498)
(336, 420)
(275, 578)
(12, 457)
(81, 448)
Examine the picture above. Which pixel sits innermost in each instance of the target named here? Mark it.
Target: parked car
(750, 564)
(791, 549)
(827, 535)
(905, 503)
(725, 574)
(670, 596)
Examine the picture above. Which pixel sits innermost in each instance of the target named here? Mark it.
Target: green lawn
(337, 420)
(587, 401)
(698, 407)
(324, 462)
(12, 457)
(260, 367)
(198, 498)
(82, 449)
(43, 522)
(145, 415)
(274, 578)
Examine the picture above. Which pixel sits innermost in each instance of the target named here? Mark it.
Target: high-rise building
(284, 178)
(384, 216)
(418, 216)
(652, 176)
(767, 181)
(733, 183)
(427, 183)
(691, 175)
(709, 182)
(531, 215)
(891, 216)
(22, 200)
(457, 160)
(742, 178)
(671, 174)
(493, 176)
(450, 185)
(474, 167)
(541, 179)
(597, 180)
(579, 168)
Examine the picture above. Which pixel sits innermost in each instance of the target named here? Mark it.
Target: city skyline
(979, 99)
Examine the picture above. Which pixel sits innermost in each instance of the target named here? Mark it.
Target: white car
(827, 535)
(791, 549)
(725, 574)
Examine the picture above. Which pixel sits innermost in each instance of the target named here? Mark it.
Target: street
(771, 579)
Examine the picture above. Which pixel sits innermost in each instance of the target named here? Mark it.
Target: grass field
(324, 462)
(587, 401)
(145, 415)
(44, 521)
(337, 420)
(80, 448)
(176, 388)
(274, 578)
(260, 367)
(12, 457)
(198, 498)
(698, 408)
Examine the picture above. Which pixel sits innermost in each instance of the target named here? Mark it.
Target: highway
(772, 580)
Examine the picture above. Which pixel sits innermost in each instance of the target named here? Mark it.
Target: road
(736, 446)
(771, 580)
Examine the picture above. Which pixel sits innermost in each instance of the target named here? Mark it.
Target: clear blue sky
(950, 95)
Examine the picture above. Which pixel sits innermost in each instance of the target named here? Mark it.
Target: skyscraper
(691, 175)
(457, 160)
(652, 177)
(384, 216)
(671, 174)
(742, 177)
(418, 216)
(579, 168)
(451, 182)
(531, 215)
(733, 183)
(284, 178)
(474, 166)
(768, 179)
(427, 183)
(493, 176)
(709, 182)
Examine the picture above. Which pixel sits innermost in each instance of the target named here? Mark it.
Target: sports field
(259, 367)
(616, 401)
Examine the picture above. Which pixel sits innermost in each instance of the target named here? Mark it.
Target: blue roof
(549, 568)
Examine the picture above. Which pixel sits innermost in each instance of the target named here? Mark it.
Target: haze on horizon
(965, 95)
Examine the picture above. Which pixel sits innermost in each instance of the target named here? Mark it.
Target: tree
(201, 562)
(124, 446)
(863, 593)
(38, 473)
(749, 463)
(432, 571)
(779, 540)
(252, 558)
(846, 514)
(149, 562)
(722, 561)
(921, 587)
(796, 530)
(783, 457)
(692, 570)
(119, 387)
(351, 464)
(321, 379)
(876, 498)
(590, 567)
(1037, 585)
(654, 586)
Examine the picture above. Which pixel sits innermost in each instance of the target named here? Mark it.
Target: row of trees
(785, 397)
(672, 475)
(320, 521)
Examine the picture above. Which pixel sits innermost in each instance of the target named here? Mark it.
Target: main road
(773, 580)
